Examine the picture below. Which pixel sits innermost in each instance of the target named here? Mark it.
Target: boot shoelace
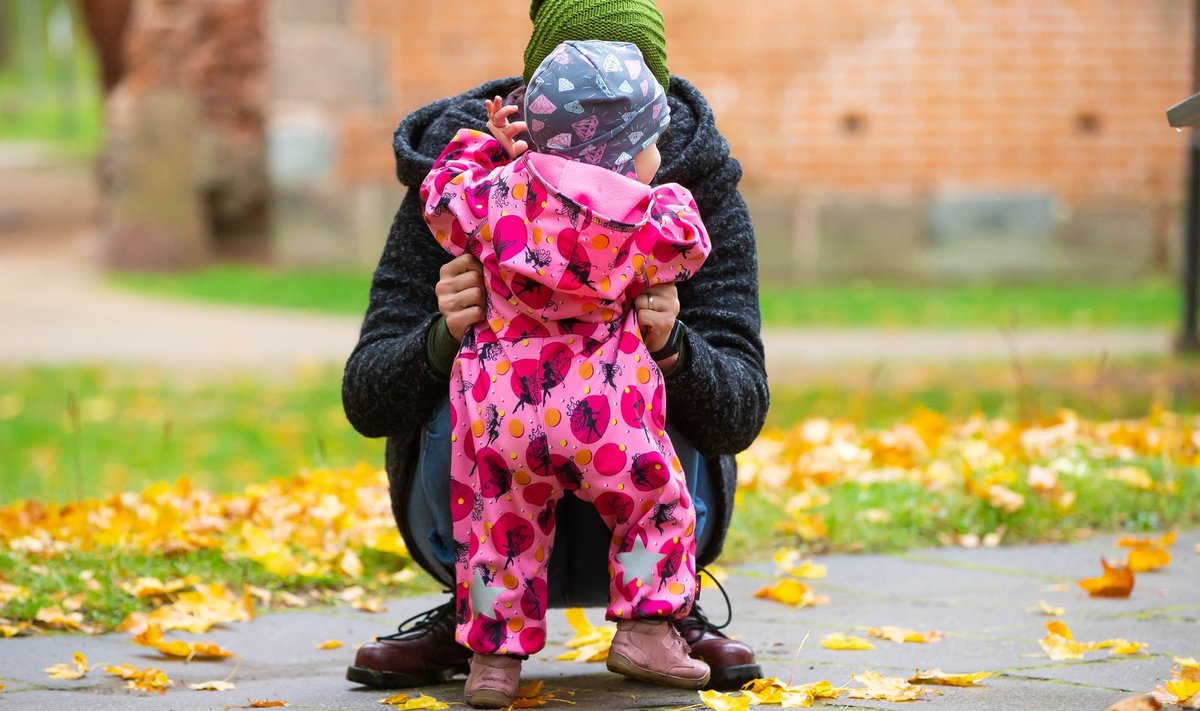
(698, 614)
(423, 623)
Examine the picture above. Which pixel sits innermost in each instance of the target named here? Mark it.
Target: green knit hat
(636, 21)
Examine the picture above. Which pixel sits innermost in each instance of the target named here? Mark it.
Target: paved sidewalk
(55, 310)
(981, 599)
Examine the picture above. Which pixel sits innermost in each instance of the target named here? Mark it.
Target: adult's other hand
(460, 294)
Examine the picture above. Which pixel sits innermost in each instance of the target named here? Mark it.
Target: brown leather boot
(423, 651)
(732, 662)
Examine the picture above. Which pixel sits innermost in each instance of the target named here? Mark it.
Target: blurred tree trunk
(107, 22)
(5, 33)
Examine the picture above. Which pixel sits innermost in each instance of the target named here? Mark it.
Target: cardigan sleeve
(718, 398)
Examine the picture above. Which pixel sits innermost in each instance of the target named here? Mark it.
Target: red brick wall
(868, 96)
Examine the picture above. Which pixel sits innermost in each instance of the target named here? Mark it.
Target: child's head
(598, 103)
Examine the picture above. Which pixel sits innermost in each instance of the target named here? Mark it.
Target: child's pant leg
(505, 535)
(652, 561)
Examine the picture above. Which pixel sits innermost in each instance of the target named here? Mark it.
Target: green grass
(920, 517)
(336, 292)
(1149, 303)
(70, 433)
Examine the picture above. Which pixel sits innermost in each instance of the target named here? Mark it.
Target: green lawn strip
(76, 432)
(336, 292)
(1147, 303)
(105, 604)
(920, 517)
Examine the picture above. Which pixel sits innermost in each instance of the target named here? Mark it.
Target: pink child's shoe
(493, 680)
(651, 650)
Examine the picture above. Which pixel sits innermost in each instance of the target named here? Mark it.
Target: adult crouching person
(704, 334)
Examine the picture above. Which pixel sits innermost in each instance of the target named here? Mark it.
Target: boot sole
(377, 679)
(733, 678)
(489, 699)
(620, 664)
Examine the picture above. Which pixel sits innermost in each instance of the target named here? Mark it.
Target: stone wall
(184, 161)
(922, 139)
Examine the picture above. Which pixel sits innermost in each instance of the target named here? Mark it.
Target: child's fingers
(518, 127)
(519, 147)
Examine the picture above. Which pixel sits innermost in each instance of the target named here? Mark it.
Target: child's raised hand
(504, 131)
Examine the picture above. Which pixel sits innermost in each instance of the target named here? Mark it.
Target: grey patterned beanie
(595, 102)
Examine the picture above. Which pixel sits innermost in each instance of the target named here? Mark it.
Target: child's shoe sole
(489, 699)
(619, 664)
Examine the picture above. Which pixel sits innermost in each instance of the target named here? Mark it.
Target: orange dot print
(643, 374)
(510, 581)
(540, 554)
(477, 428)
(502, 367)
(600, 242)
(676, 464)
(605, 284)
(521, 477)
(516, 624)
(637, 261)
(518, 191)
(583, 457)
(537, 235)
(515, 428)
(496, 324)
(553, 417)
(586, 370)
(675, 588)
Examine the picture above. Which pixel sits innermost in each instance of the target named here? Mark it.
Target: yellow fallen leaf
(7, 631)
(1187, 662)
(1120, 646)
(773, 691)
(1166, 540)
(350, 564)
(330, 644)
(1141, 702)
(1147, 558)
(937, 676)
(264, 704)
(1050, 610)
(790, 562)
(792, 592)
(153, 587)
(77, 669)
(1059, 644)
(882, 688)
(590, 644)
(149, 679)
(370, 604)
(725, 702)
(901, 635)
(530, 696)
(1186, 692)
(1115, 582)
(54, 617)
(421, 701)
(1005, 499)
(213, 686)
(841, 641)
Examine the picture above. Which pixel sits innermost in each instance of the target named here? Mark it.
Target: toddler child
(556, 391)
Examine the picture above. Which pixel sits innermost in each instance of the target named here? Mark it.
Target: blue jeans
(429, 501)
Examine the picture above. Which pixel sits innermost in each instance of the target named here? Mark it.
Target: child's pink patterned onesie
(556, 391)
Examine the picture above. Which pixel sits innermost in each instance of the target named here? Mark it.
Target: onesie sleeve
(680, 243)
(456, 191)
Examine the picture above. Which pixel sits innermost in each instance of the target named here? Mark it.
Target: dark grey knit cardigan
(717, 398)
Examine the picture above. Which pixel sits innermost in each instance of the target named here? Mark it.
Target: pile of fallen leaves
(307, 533)
(1008, 467)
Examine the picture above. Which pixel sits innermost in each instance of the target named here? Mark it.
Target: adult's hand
(657, 310)
(460, 294)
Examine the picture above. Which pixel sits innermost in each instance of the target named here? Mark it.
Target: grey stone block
(868, 238)
(301, 147)
(773, 219)
(308, 12)
(992, 236)
(1109, 241)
